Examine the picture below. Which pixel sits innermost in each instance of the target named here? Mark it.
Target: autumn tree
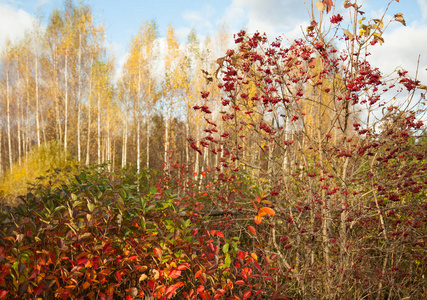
(331, 172)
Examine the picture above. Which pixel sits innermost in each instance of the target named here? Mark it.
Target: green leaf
(153, 190)
(59, 208)
(234, 245)
(74, 197)
(123, 193)
(225, 248)
(227, 260)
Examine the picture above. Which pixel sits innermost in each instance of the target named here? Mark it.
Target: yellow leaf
(379, 22)
(320, 6)
(349, 35)
(142, 277)
(378, 37)
(399, 18)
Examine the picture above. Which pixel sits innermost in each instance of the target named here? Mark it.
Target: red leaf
(64, 294)
(128, 297)
(130, 258)
(175, 273)
(170, 290)
(118, 276)
(107, 248)
(246, 295)
(220, 234)
(200, 289)
(257, 292)
(37, 291)
(52, 257)
(183, 266)
(239, 282)
(158, 252)
(252, 230)
(82, 260)
(3, 294)
(257, 266)
(219, 293)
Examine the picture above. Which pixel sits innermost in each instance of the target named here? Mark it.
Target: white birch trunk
(99, 128)
(138, 125)
(79, 98)
(66, 100)
(8, 122)
(37, 100)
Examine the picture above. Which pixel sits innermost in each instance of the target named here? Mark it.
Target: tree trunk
(99, 127)
(66, 100)
(125, 140)
(89, 118)
(147, 124)
(58, 118)
(18, 123)
(37, 100)
(8, 122)
(1, 157)
(166, 137)
(79, 97)
(138, 125)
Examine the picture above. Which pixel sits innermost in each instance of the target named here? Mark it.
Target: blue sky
(123, 18)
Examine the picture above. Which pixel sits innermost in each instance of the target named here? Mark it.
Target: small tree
(345, 172)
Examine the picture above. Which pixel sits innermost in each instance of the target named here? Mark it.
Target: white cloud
(201, 20)
(423, 7)
(401, 49)
(13, 23)
(274, 17)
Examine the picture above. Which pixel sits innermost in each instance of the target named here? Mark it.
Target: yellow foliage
(41, 161)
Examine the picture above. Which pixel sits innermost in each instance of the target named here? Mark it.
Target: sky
(122, 19)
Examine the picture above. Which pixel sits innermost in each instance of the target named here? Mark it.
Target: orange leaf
(252, 230)
(86, 285)
(158, 252)
(328, 4)
(266, 211)
(198, 273)
(258, 198)
(258, 220)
